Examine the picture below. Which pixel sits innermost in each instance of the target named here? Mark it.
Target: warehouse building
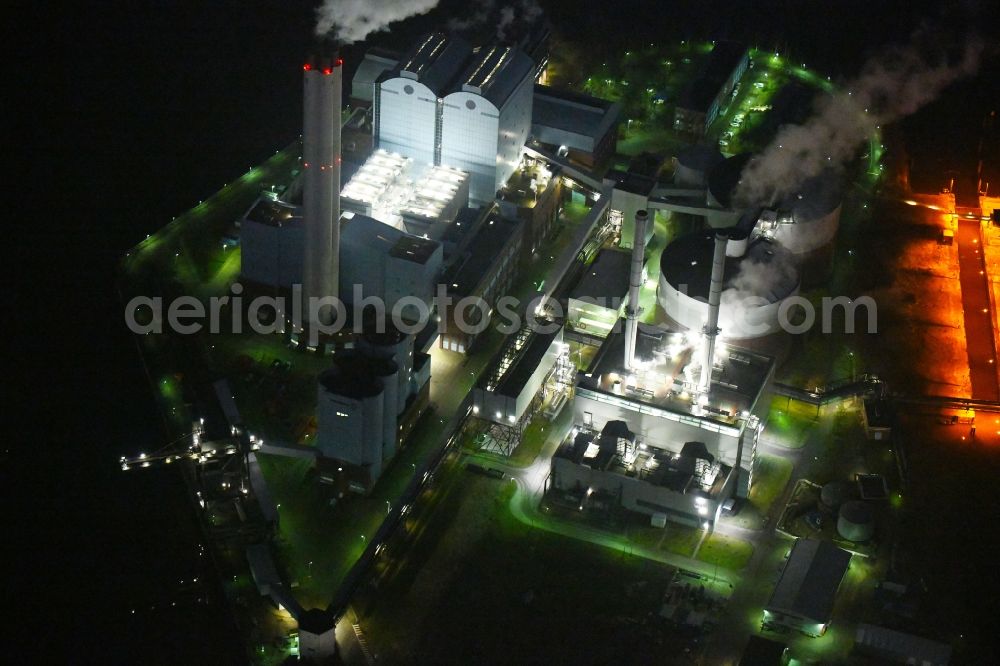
(700, 103)
(598, 300)
(447, 103)
(900, 648)
(574, 125)
(482, 271)
(804, 596)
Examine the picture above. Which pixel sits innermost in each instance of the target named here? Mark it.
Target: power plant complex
(667, 415)
(488, 273)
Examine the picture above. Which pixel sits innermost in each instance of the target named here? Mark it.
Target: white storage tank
(756, 283)
(808, 219)
(856, 521)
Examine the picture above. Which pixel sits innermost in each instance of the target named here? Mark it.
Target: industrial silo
(692, 164)
(722, 180)
(834, 494)
(396, 346)
(856, 521)
(759, 276)
(387, 372)
(350, 412)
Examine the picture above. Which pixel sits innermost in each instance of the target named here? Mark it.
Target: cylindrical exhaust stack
(634, 284)
(714, 298)
(323, 78)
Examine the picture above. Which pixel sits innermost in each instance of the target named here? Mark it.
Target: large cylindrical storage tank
(374, 431)
(397, 346)
(692, 164)
(723, 178)
(721, 181)
(807, 224)
(387, 372)
(834, 494)
(349, 407)
(755, 285)
(856, 522)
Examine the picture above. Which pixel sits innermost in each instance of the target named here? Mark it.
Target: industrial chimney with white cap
(323, 76)
(634, 284)
(714, 298)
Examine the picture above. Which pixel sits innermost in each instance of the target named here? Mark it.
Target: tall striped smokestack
(714, 297)
(634, 284)
(323, 76)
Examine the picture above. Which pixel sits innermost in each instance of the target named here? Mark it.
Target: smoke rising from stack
(526, 11)
(891, 86)
(749, 286)
(352, 21)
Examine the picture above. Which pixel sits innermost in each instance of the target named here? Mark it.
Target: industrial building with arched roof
(448, 103)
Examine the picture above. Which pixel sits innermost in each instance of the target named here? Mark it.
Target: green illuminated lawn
(788, 423)
(720, 550)
(770, 476)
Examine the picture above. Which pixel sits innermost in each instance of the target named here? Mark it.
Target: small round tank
(834, 494)
(856, 522)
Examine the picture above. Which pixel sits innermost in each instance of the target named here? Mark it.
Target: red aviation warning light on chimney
(321, 190)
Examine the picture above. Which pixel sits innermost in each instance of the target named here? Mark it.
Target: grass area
(788, 423)
(725, 552)
(485, 588)
(770, 476)
(540, 431)
(717, 549)
(331, 536)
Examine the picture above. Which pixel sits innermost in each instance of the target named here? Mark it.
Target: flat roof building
(419, 198)
(585, 126)
(899, 647)
(804, 596)
(694, 450)
(484, 268)
(597, 301)
(700, 102)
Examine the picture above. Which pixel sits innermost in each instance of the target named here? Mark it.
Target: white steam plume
(754, 281)
(483, 12)
(890, 86)
(479, 16)
(353, 20)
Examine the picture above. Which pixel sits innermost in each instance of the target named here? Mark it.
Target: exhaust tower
(634, 284)
(322, 90)
(714, 298)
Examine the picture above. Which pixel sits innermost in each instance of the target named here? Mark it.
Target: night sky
(127, 114)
